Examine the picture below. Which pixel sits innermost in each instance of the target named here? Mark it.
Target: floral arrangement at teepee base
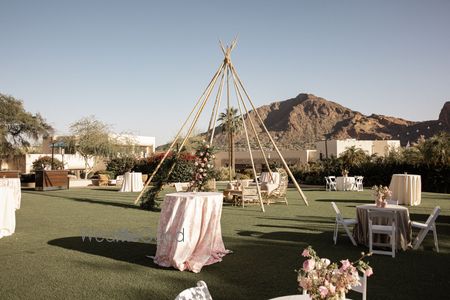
(203, 168)
(381, 194)
(325, 280)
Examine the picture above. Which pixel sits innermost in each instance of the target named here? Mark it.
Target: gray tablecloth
(403, 233)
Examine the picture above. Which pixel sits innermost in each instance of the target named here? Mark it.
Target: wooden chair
(376, 217)
(279, 194)
(344, 222)
(249, 195)
(430, 224)
(200, 292)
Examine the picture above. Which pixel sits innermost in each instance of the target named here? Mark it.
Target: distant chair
(200, 292)
(181, 186)
(330, 183)
(279, 194)
(430, 224)
(119, 180)
(249, 195)
(390, 218)
(359, 183)
(392, 202)
(344, 222)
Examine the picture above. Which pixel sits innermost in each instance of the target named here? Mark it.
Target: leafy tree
(18, 127)
(93, 140)
(45, 163)
(353, 157)
(435, 150)
(232, 125)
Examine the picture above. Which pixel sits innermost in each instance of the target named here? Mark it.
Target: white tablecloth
(407, 189)
(189, 231)
(10, 196)
(132, 182)
(345, 183)
(14, 183)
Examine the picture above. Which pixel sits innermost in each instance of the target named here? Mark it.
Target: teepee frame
(226, 71)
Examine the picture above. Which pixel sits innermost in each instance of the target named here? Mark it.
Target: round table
(189, 231)
(10, 196)
(406, 188)
(345, 183)
(403, 232)
(132, 182)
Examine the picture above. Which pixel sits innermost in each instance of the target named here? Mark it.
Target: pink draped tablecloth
(189, 231)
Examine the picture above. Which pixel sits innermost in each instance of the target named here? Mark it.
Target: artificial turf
(46, 258)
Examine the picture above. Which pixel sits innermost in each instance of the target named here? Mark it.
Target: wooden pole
(233, 70)
(253, 127)
(250, 153)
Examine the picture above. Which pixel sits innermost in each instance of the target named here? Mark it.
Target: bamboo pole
(253, 128)
(250, 152)
(233, 70)
(178, 134)
(216, 110)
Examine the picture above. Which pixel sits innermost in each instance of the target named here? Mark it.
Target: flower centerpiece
(344, 172)
(203, 168)
(381, 193)
(325, 280)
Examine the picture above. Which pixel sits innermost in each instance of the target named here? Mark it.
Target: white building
(334, 148)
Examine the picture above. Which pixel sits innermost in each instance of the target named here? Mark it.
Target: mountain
(299, 122)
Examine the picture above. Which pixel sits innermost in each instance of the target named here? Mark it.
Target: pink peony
(305, 253)
(323, 291)
(345, 264)
(368, 272)
(308, 265)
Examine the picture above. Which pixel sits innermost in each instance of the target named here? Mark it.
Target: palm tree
(353, 157)
(231, 124)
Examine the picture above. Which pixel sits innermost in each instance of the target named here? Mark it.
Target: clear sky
(141, 65)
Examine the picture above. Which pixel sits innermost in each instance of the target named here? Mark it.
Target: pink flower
(305, 253)
(368, 271)
(345, 264)
(323, 291)
(308, 265)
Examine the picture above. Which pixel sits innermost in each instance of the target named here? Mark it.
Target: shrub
(45, 163)
(120, 165)
(183, 170)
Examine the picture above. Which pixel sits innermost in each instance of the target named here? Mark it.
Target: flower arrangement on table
(344, 172)
(325, 280)
(203, 168)
(381, 193)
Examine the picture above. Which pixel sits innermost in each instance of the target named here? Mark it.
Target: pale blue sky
(141, 65)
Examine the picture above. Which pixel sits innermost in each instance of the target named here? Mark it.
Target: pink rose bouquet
(325, 280)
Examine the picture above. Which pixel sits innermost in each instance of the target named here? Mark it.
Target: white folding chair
(344, 222)
(362, 289)
(178, 187)
(389, 220)
(359, 183)
(330, 183)
(200, 292)
(392, 201)
(430, 224)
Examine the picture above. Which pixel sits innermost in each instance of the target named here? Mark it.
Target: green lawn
(47, 259)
